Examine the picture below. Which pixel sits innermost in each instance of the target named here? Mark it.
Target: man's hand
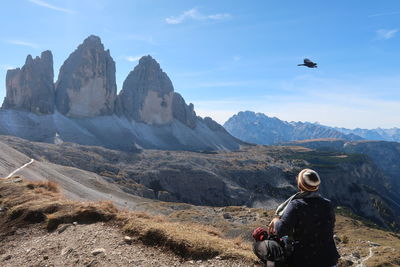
(271, 226)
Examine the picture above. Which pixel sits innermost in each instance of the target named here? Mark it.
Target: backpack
(271, 247)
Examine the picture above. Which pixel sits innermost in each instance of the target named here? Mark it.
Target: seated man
(309, 220)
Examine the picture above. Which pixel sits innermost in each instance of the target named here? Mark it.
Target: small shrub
(47, 185)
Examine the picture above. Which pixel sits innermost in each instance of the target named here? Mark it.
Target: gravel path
(20, 168)
(88, 245)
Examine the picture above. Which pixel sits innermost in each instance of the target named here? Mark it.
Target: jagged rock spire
(147, 94)
(86, 84)
(31, 88)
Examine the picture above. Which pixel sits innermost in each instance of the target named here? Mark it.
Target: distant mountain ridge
(258, 128)
(378, 134)
(83, 106)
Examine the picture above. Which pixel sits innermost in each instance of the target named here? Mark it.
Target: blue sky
(226, 56)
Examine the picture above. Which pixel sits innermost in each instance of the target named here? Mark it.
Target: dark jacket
(310, 221)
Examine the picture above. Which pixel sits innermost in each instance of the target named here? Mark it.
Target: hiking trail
(20, 168)
(371, 253)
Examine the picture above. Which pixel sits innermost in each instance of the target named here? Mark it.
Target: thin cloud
(386, 34)
(384, 14)
(7, 67)
(47, 5)
(237, 58)
(194, 14)
(22, 43)
(133, 58)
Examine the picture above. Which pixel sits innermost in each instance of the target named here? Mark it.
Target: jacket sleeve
(286, 223)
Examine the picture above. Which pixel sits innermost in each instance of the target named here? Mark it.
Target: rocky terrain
(39, 227)
(90, 245)
(83, 106)
(385, 155)
(255, 176)
(257, 128)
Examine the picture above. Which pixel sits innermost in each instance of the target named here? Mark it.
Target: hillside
(255, 176)
(36, 229)
(386, 155)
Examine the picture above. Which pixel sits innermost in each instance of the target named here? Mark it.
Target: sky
(228, 56)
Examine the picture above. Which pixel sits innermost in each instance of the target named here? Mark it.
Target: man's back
(310, 221)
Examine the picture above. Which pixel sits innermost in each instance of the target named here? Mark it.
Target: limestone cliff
(31, 87)
(183, 112)
(147, 94)
(86, 84)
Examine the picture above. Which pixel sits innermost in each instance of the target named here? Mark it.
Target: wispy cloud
(22, 43)
(386, 34)
(194, 14)
(50, 6)
(384, 14)
(237, 58)
(133, 58)
(6, 67)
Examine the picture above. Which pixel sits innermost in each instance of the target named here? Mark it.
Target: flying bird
(308, 63)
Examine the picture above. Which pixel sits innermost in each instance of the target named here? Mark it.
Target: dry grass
(41, 202)
(37, 202)
(188, 240)
(355, 236)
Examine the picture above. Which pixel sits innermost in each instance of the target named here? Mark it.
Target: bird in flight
(308, 63)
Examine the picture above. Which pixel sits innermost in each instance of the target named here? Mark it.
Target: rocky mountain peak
(260, 129)
(31, 88)
(147, 94)
(86, 84)
(28, 60)
(149, 61)
(93, 39)
(149, 73)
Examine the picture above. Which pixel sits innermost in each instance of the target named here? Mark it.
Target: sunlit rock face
(86, 84)
(31, 88)
(147, 94)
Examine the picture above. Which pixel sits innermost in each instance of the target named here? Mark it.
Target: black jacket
(310, 221)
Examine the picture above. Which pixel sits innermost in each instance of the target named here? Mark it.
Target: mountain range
(258, 128)
(83, 106)
(146, 142)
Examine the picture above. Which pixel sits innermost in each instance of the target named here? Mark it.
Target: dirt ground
(88, 245)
